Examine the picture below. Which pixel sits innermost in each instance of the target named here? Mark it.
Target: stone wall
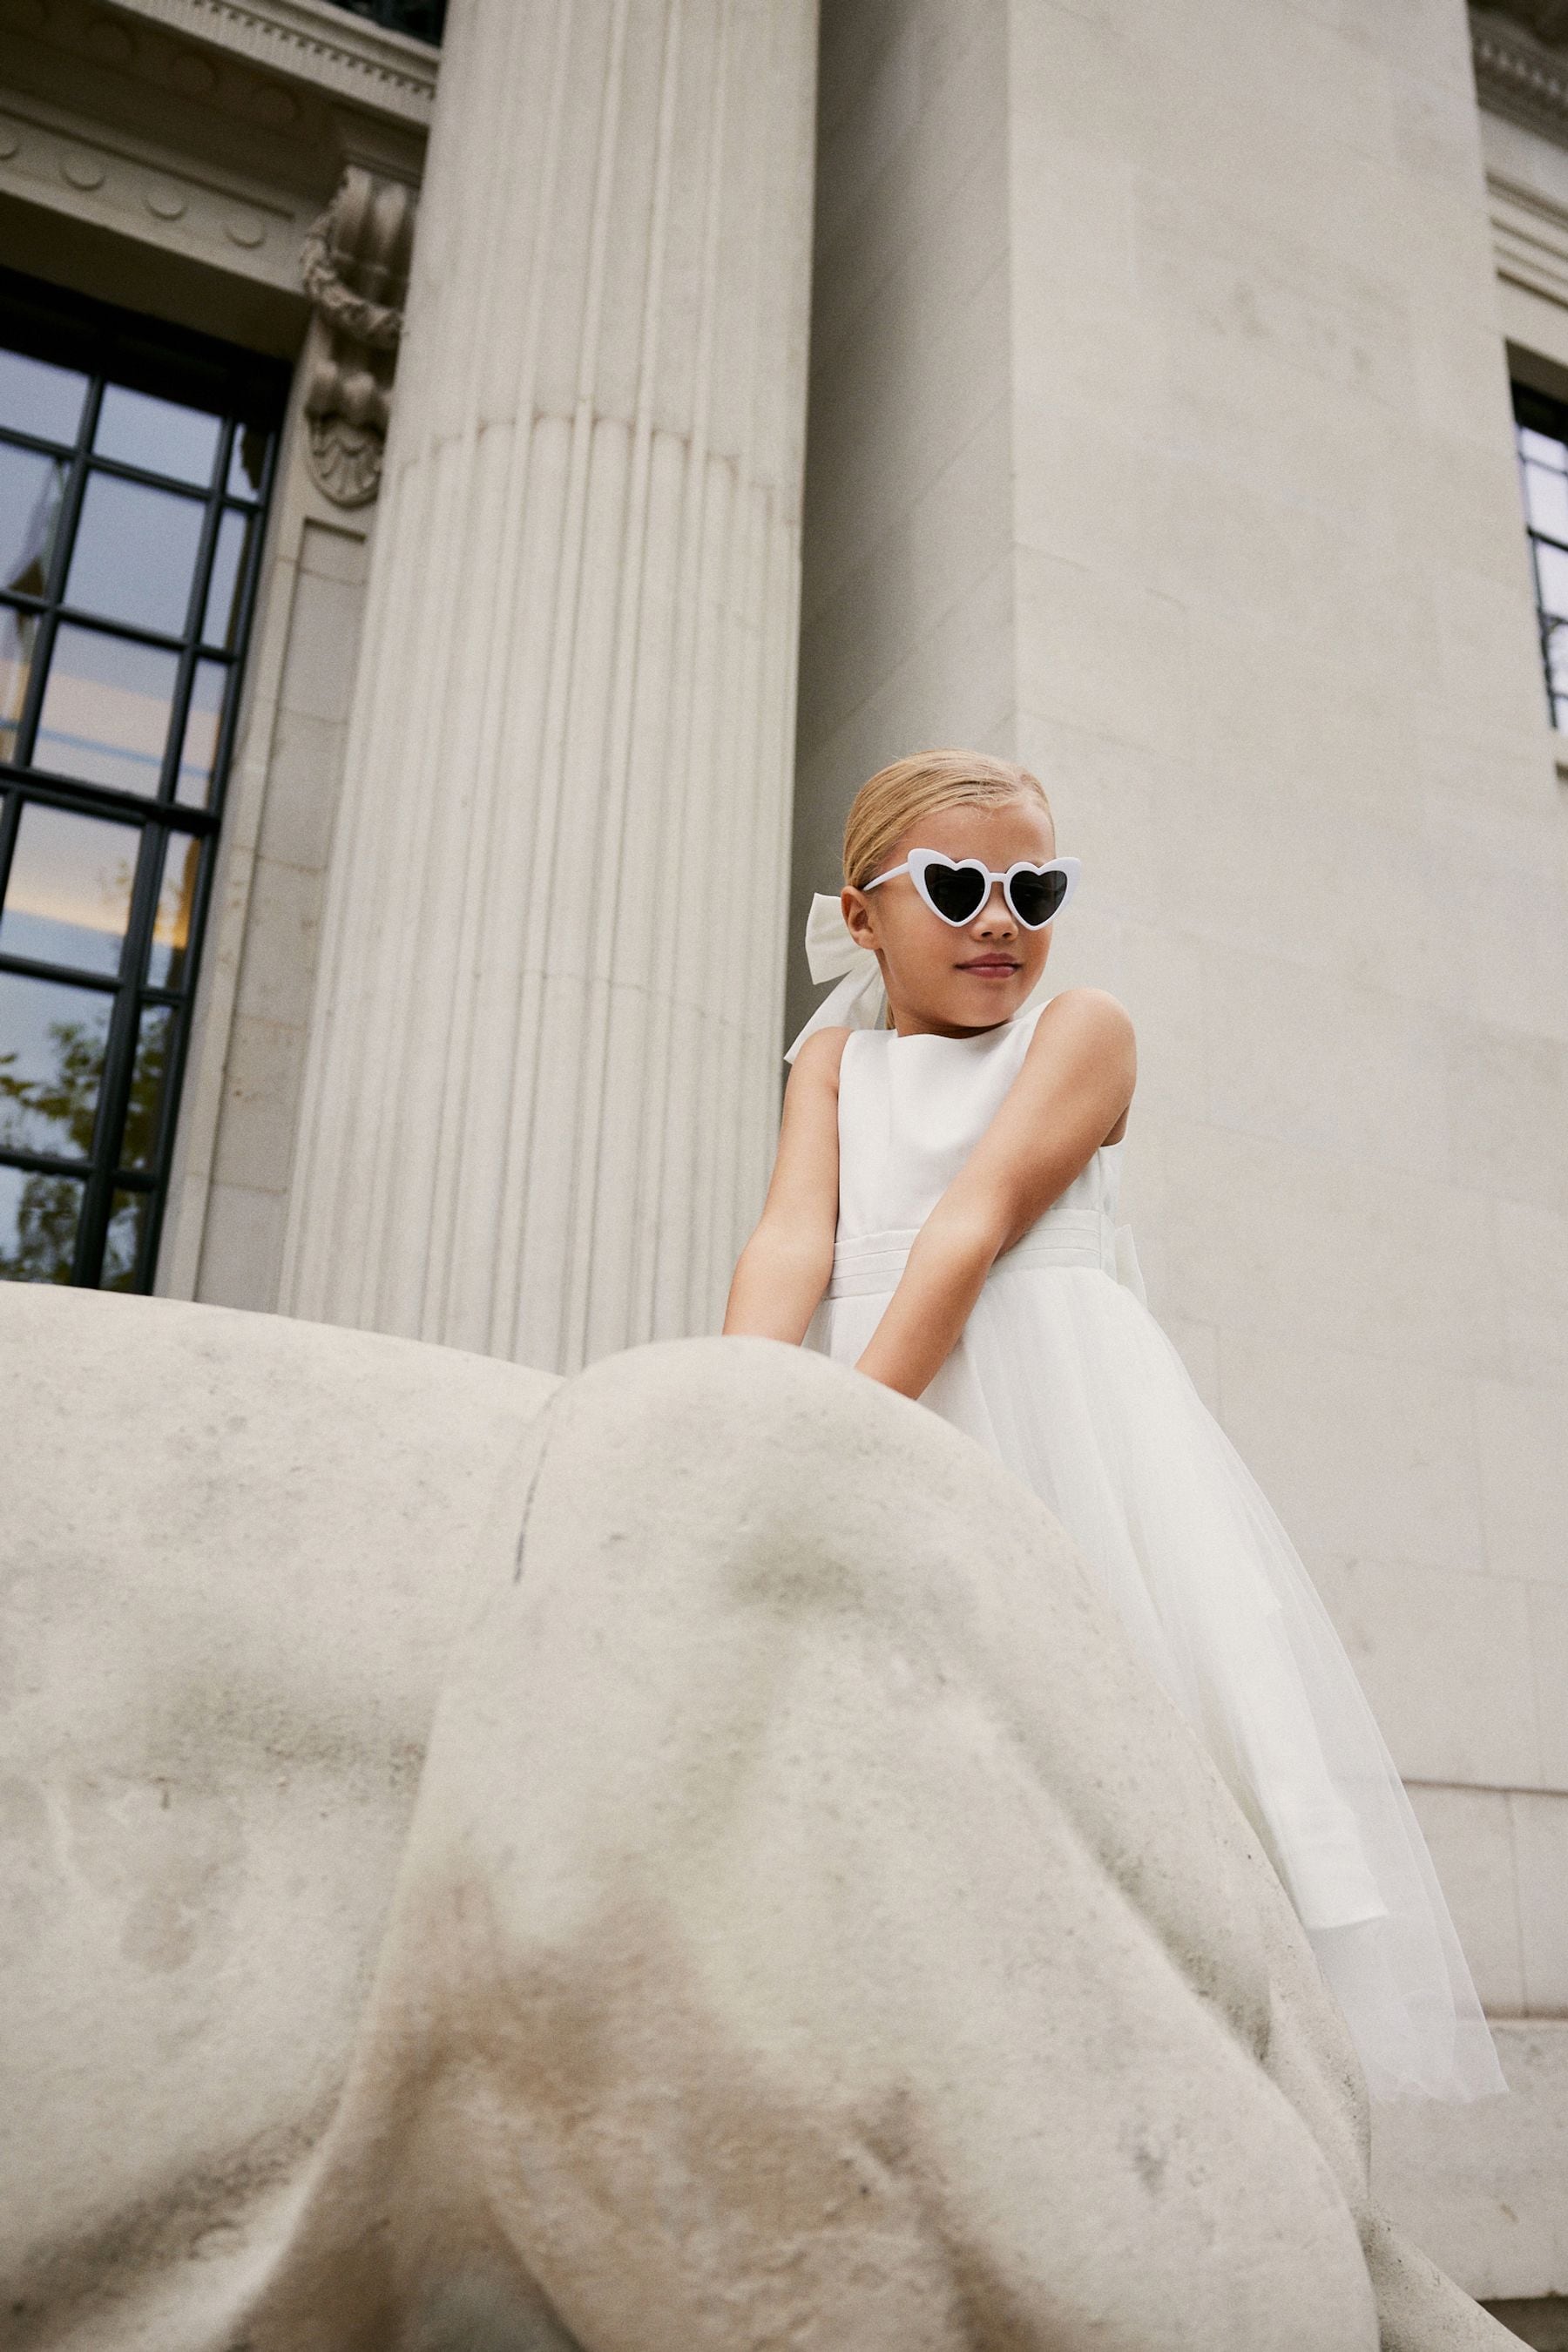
(907, 595)
(1240, 570)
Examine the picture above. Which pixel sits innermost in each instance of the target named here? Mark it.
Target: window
(422, 18)
(1541, 430)
(134, 468)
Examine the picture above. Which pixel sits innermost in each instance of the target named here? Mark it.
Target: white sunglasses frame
(915, 865)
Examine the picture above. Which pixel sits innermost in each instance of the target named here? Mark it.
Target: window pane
(19, 633)
(69, 897)
(106, 710)
(123, 1242)
(37, 398)
(51, 1061)
(158, 435)
(154, 1043)
(176, 907)
(135, 554)
(248, 462)
(198, 753)
(1546, 500)
(31, 488)
(1551, 575)
(38, 1218)
(1540, 446)
(222, 621)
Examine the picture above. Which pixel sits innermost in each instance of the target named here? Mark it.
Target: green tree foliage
(63, 1104)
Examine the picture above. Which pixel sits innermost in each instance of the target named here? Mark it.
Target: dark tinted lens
(956, 891)
(1037, 896)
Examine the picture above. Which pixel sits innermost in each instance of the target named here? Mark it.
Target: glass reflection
(159, 435)
(198, 753)
(135, 554)
(176, 912)
(1555, 636)
(18, 634)
(106, 710)
(247, 462)
(52, 1041)
(68, 897)
(31, 488)
(122, 1243)
(38, 1220)
(221, 625)
(37, 398)
(154, 1042)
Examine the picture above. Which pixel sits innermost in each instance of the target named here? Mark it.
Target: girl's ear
(856, 908)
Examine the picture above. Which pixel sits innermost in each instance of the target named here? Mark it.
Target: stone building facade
(631, 423)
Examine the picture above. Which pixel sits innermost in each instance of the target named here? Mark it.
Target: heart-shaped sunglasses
(956, 888)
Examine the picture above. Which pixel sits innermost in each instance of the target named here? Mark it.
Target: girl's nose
(995, 915)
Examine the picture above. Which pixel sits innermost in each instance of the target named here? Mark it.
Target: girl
(941, 1217)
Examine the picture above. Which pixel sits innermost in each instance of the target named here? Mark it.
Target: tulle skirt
(1064, 1374)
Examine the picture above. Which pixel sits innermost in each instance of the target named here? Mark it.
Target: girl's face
(945, 980)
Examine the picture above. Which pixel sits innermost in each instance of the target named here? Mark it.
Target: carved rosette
(354, 263)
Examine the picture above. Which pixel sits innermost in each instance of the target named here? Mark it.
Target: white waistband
(872, 1263)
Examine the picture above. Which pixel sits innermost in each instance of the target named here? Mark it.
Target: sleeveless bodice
(910, 1111)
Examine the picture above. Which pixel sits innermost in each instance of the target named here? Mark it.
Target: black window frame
(248, 391)
(1538, 412)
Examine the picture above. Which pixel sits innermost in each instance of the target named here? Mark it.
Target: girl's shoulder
(1088, 1008)
(816, 1064)
(1084, 994)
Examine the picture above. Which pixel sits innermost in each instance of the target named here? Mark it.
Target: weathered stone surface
(813, 1926)
(233, 1551)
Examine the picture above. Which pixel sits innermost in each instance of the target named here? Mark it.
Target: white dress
(1062, 1371)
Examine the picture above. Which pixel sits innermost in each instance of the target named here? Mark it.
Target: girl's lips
(991, 963)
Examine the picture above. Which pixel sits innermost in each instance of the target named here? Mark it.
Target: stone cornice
(343, 56)
(214, 129)
(1530, 238)
(1519, 72)
(1547, 19)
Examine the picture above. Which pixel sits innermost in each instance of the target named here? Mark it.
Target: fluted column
(543, 1079)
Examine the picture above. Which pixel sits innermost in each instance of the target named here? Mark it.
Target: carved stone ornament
(354, 263)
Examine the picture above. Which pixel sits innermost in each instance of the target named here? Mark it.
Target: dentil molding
(307, 40)
(1521, 53)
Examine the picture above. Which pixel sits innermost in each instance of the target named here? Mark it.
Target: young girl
(942, 1217)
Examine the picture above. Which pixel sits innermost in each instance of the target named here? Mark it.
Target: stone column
(546, 1063)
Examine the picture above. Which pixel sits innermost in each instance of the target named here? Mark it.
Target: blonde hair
(898, 797)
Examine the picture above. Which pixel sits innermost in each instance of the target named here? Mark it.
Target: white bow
(860, 1001)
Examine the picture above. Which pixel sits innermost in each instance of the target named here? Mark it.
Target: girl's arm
(1077, 1078)
(787, 1266)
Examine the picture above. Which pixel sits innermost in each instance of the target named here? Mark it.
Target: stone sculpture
(812, 1927)
(355, 265)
